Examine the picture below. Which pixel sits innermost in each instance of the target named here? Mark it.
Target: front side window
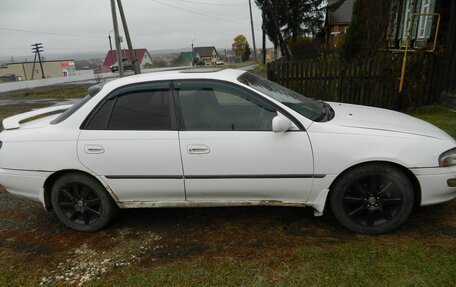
(211, 105)
(143, 109)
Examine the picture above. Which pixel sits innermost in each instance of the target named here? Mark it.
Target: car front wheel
(82, 203)
(372, 199)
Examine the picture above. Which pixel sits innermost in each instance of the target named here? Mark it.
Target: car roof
(230, 75)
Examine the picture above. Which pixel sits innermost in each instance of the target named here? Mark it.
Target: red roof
(111, 57)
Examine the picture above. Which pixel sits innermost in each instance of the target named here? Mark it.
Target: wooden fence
(372, 82)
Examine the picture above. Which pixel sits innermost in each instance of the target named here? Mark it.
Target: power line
(49, 33)
(199, 13)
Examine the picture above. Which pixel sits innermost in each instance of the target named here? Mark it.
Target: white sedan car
(199, 138)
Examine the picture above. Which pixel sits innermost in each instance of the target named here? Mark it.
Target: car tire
(82, 203)
(372, 199)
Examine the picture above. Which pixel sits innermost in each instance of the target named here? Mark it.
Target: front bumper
(24, 183)
(435, 184)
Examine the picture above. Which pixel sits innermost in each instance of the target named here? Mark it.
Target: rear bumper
(435, 184)
(24, 183)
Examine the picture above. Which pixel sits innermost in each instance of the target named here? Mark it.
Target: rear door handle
(198, 149)
(93, 148)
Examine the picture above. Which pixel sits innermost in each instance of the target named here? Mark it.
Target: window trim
(180, 118)
(135, 87)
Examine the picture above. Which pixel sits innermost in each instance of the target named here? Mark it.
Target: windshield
(309, 108)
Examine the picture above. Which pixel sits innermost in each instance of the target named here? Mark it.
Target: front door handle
(93, 148)
(198, 149)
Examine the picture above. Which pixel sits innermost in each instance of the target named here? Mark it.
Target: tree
(368, 28)
(241, 47)
(291, 20)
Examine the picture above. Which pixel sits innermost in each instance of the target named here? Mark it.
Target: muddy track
(31, 237)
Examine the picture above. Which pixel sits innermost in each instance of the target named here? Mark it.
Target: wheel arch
(406, 171)
(56, 175)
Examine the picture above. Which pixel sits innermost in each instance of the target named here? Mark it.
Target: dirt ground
(34, 241)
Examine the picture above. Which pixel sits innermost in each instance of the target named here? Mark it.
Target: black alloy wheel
(372, 199)
(82, 203)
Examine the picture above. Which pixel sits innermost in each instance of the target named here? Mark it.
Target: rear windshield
(93, 90)
(66, 114)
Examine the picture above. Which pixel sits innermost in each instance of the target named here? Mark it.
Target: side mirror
(281, 124)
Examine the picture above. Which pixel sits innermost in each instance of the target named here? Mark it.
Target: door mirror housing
(281, 124)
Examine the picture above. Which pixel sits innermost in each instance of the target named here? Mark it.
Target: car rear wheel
(82, 203)
(372, 199)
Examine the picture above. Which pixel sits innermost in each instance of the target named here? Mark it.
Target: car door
(131, 140)
(229, 151)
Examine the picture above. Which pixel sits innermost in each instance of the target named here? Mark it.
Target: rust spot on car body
(191, 204)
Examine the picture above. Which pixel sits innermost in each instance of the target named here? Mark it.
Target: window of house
(425, 22)
(207, 105)
(144, 109)
(407, 14)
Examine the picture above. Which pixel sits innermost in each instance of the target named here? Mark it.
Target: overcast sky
(67, 26)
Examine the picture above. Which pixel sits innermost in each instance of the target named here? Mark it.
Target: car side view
(202, 138)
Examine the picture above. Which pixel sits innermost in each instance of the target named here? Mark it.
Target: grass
(439, 116)
(21, 277)
(62, 92)
(357, 263)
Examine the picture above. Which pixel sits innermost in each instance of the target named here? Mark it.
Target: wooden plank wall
(372, 82)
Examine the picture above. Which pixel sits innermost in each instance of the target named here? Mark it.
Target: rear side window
(148, 108)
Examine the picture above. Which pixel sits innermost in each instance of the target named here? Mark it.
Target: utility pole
(264, 40)
(193, 53)
(37, 48)
(283, 45)
(33, 68)
(264, 47)
(117, 38)
(110, 48)
(134, 61)
(253, 32)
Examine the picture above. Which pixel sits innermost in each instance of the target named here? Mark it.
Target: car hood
(364, 117)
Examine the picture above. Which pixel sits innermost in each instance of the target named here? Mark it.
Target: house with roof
(142, 55)
(337, 22)
(208, 55)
